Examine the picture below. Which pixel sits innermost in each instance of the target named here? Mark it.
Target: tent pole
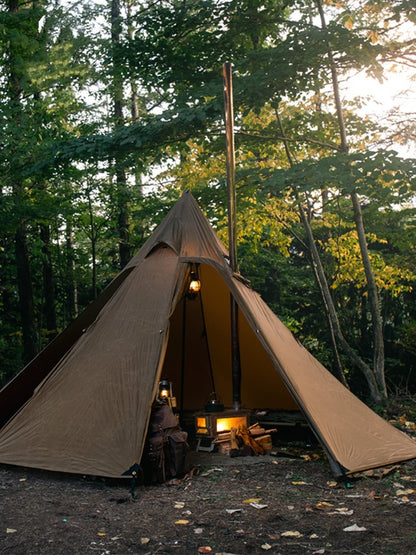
(204, 331)
(230, 151)
(181, 405)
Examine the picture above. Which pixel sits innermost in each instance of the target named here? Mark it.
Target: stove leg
(205, 444)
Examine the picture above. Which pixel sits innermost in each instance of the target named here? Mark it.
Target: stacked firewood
(243, 441)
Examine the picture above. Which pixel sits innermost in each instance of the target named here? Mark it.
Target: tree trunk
(323, 284)
(374, 300)
(24, 279)
(93, 238)
(49, 308)
(373, 297)
(329, 307)
(319, 276)
(24, 286)
(122, 193)
(71, 288)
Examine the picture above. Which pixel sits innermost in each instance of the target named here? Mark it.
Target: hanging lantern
(194, 284)
(164, 390)
(164, 394)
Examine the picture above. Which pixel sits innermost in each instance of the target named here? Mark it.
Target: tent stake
(230, 151)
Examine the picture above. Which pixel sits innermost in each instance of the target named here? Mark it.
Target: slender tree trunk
(93, 238)
(319, 275)
(24, 278)
(71, 288)
(122, 191)
(373, 297)
(49, 308)
(134, 100)
(326, 296)
(24, 286)
(357, 360)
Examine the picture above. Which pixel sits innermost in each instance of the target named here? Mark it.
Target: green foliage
(59, 136)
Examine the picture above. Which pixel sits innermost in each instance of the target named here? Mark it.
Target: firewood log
(233, 438)
(265, 441)
(251, 442)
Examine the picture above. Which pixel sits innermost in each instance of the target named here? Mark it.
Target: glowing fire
(201, 422)
(225, 424)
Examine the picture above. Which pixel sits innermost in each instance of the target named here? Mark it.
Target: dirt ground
(284, 503)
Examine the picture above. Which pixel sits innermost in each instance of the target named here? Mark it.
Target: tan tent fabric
(89, 415)
(83, 404)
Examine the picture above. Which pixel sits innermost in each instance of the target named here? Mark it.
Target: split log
(262, 431)
(233, 438)
(265, 441)
(225, 436)
(250, 441)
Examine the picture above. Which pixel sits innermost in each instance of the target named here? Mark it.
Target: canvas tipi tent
(83, 404)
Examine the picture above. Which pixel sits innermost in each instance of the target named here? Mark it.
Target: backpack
(164, 455)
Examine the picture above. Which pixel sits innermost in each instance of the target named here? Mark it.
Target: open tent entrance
(198, 355)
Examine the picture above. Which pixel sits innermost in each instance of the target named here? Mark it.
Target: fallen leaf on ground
(144, 541)
(332, 484)
(232, 511)
(323, 505)
(198, 530)
(10, 531)
(405, 492)
(182, 522)
(266, 546)
(354, 528)
(292, 534)
(258, 505)
(373, 495)
(179, 505)
(204, 549)
(252, 500)
(300, 483)
(375, 473)
(208, 472)
(342, 512)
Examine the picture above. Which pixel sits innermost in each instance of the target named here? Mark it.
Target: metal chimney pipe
(230, 151)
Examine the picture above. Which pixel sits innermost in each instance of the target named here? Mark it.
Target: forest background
(111, 108)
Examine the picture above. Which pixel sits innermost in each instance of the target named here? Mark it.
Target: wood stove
(209, 424)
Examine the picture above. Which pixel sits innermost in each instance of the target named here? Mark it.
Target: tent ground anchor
(346, 480)
(133, 488)
(136, 473)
